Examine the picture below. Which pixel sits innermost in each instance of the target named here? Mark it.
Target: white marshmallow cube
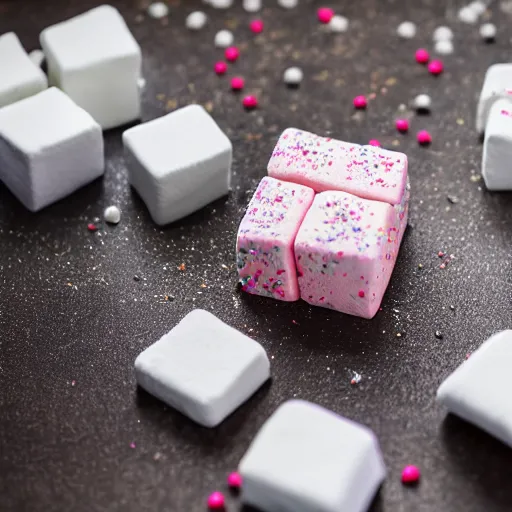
(497, 153)
(19, 76)
(308, 459)
(478, 391)
(497, 84)
(96, 61)
(49, 147)
(178, 163)
(203, 368)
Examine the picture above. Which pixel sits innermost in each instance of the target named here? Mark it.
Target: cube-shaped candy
(203, 368)
(328, 164)
(19, 76)
(178, 163)
(346, 249)
(479, 390)
(96, 61)
(497, 153)
(265, 258)
(497, 85)
(308, 459)
(49, 147)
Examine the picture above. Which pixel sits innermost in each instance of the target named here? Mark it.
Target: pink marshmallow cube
(346, 249)
(328, 164)
(265, 257)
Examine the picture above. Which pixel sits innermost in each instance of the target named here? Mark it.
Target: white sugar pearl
(293, 76)
(443, 47)
(288, 4)
(422, 102)
(37, 57)
(488, 31)
(112, 215)
(338, 24)
(406, 30)
(467, 15)
(221, 4)
(252, 5)
(158, 10)
(478, 7)
(196, 20)
(223, 39)
(442, 34)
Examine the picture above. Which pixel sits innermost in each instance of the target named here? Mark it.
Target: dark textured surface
(70, 309)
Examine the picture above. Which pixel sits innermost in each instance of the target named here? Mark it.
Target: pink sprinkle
(92, 227)
(216, 501)
(132, 446)
(256, 26)
(220, 67)
(250, 102)
(324, 14)
(232, 53)
(235, 480)
(360, 102)
(435, 67)
(73, 382)
(422, 56)
(424, 138)
(361, 293)
(237, 83)
(410, 475)
(374, 142)
(402, 125)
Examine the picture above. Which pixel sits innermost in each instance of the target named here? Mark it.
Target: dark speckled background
(70, 309)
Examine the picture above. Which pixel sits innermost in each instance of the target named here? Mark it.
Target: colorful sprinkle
(250, 102)
(360, 102)
(361, 293)
(402, 125)
(422, 56)
(220, 67)
(410, 475)
(216, 501)
(375, 143)
(232, 53)
(324, 14)
(237, 83)
(435, 67)
(92, 227)
(256, 26)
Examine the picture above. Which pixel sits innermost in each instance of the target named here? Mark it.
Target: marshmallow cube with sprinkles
(497, 152)
(479, 390)
(497, 84)
(308, 459)
(178, 163)
(203, 368)
(265, 257)
(96, 61)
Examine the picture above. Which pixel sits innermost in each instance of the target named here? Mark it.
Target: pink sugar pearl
(250, 102)
(410, 475)
(232, 53)
(422, 56)
(220, 67)
(216, 501)
(324, 14)
(424, 137)
(435, 67)
(360, 102)
(402, 125)
(237, 83)
(377, 144)
(256, 26)
(235, 480)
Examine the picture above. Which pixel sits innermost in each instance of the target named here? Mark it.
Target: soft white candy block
(497, 153)
(479, 390)
(49, 147)
(178, 163)
(497, 85)
(96, 61)
(203, 368)
(19, 76)
(308, 459)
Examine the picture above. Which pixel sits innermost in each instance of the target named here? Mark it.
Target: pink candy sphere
(232, 53)
(256, 26)
(235, 480)
(250, 102)
(360, 102)
(422, 56)
(402, 125)
(324, 14)
(424, 137)
(377, 144)
(216, 501)
(410, 475)
(436, 67)
(237, 83)
(220, 67)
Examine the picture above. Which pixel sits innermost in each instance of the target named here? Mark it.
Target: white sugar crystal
(338, 24)
(19, 76)
(158, 10)
(442, 33)
(178, 163)
(203, 368)
(406, 30)
(196, 20)
(443, 47)
(293, 76)
(112, 215)
(479, 390)
(49, 147)
(221, 4)
(37, 57)
(307, 459)
(141, 82)
(288, 4)
(467, 15)
(497, 153)
(96, 61)
(252, 5)
(497, 84)
(223, 39)
(478, 7)
(488, 31)
(422, 102)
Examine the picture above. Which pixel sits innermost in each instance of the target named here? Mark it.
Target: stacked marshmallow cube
(346, 245)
